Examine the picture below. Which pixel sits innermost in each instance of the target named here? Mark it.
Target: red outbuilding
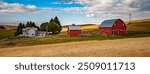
(113, 27)
(74, 30)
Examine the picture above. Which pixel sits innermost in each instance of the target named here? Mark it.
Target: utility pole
(130, 16)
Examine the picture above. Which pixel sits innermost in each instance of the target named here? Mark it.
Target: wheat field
(132, 47)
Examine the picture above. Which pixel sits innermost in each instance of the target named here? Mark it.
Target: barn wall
(105, 31)
(74, 32)
(119, 28)
(119, 25)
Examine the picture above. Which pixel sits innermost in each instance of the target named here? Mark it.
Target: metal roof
(108, 23)
(74, 27)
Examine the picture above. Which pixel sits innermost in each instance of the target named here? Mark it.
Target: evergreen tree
(56, 20)
(30, 24)
(52, 20)
(52, 26)
(48, 27)
(19, 29)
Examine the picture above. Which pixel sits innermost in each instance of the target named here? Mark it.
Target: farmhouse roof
(108, 23)
(28, 28)
(74, 27)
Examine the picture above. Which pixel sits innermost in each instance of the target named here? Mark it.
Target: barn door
(118, 32)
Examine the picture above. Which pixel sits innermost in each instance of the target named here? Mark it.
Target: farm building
(74, 30)
(41, 33)
(29, 32)
(32, 32)
(113, 27)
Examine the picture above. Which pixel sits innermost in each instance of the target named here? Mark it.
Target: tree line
(53, 26)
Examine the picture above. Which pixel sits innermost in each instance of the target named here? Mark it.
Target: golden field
(131, 47)
(135, 25)
(84, 27)
(90, 44)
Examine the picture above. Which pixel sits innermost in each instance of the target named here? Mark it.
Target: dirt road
(112, 48)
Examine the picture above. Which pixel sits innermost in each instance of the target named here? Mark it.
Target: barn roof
(74, 27)
(108, 23)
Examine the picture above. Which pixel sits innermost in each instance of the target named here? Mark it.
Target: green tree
(30, 24)
(56, 20)
(52, 20)
(48, 27)
(54, 28)
(19, 29)
(43, 26)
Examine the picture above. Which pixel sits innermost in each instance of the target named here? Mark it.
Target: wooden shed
(113, 27)
(74, 30)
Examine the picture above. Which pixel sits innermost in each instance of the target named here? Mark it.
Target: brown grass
(131, 47)
(10, 27)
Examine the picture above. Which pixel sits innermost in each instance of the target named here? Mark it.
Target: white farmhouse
(32, 32)
(29, 32)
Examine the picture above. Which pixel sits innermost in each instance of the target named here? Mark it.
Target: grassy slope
(140, 28)
(139, 25)
(6, 34)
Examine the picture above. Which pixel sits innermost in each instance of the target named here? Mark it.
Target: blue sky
(71, 11)
(46, 3)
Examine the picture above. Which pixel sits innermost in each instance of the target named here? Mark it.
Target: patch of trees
(22, 25)
(2, 27)
(53, 26)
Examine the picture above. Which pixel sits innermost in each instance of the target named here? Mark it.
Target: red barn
(74, 30)
(113, 27)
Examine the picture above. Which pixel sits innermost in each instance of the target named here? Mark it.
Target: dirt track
(121, 47)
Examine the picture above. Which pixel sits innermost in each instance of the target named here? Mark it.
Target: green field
(6, 33)
(135, 29)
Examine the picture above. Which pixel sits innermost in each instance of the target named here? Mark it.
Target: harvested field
(132, 47)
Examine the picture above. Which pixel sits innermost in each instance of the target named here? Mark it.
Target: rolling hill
(135, 25)
(139, 25)
(9, 27)
(137, 28)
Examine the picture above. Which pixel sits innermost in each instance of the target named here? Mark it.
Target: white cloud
(15, 7)
(101, 9)
(113, 8)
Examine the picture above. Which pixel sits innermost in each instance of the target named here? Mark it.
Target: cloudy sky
(71, 11)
